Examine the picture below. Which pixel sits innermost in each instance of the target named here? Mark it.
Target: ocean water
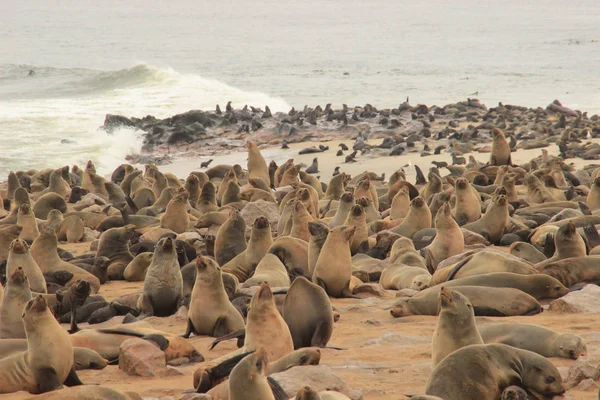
(163, 57)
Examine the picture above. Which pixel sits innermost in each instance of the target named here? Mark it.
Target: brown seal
(307, 393)
(41, 368)
(210, 312)
(500, 149)
(493, 223)
(163, 284)
(488, 301)
(19, 256)
(70, 229)
(540, 286)
(570, 271)
(26, 219)
(568, 243)
(318, 235)
(538, 339)
(455, 327)
(45, 253)
(89, 392)
(300, 219)
(257, 166)
(136, 269)
(419, 217)
(7, 235)
(207, 201)
(114, 244)
(593, 197)
(401, 276)
(448, 240)
(467, 208)
(333, 269)
(260, 241)
(344, 206)
(271, 270)
(527, 252)
(357, 218)
(48, 202)
(176, 217)
(400, 204)
(248, 379)
(365, 188)
(432, 187)
(483, 371)
(336, 186)
(308, 314)
(231, 238)
(293, 253)
(16, 295)
(278, 176)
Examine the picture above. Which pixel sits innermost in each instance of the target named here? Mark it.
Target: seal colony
(250, 278)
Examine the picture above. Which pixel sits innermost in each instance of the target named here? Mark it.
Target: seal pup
(210, 312)
(260, 241)
(41, 368)
(16, 295)
(538, 339)
(20, 257)
(308, 314)
(333, 269)
(26, 219)
(231, 238)
(483, 371)
(455, 326)
(163, 284)
(448, 240)
(136, 269)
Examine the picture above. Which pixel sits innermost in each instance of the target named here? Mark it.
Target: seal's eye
(303, 360)
(259, 365)
(550, 379)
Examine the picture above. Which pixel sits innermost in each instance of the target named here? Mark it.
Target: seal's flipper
(223, 370)
(47, 380)
(321, 335)
(585, 210)
(189, 329)
(457, 268)
(233, 335)
(549, 246)
(487, 312)
(73, 379)
(160, 340)
(592, 236)
(277, 390)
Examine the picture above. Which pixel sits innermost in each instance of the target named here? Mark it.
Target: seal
(248, 380)
(419, 217)
(7, 235)
(19, 256)
(500, 151)
(218, 171)
(45, 253)
(265, 327)
(163, 284)
(365, 188)
(432, 187)
(207, 202)
(176, 217)
(278, 176)
(571, 271)
(257, 166)
(26, 219)
(307, 393)
(314, 167)
(538, 339)
(336, 186)
(401, 276)
(448, 240)
(357, 218)
(308, 314)
(539, 286)
(210, 312)
(231, 238)
(333, 269)
(400, 204)
(41, 368)
(482, 262)
(16, 295)
(492, 224)
(300, 219)
(70, 229)
(271, 270)
(136, 269)
(514, 393)
(568, 243)
(455, 327)
(467, 208)
(99, 269)
(345, 204)
(89, 392)
(593, 197)
(260, 241)
(491, 369)
(527, 252)
(486, 301)
(114, 244)
(293, 253)
(318, 235)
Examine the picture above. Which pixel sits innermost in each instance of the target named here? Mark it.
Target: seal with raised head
(16, 295)
(257, 166)
(136, 269)
(492, 224)
(538, 339)
(231, 238)
(260, 241)
(26, 219)
(7, 235)
(248, 379)
(114, 244)
(271, 270)
(455, 326)
(467, 208)
(333, 269)
(483, 372)
(163, 284)
(419, 217)
(500, 149)
(19, 256)
(70, 229)
(308, 314)
(176, 217)
(41, 368)
(210, 312)
(568, 243)
(448, 241)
